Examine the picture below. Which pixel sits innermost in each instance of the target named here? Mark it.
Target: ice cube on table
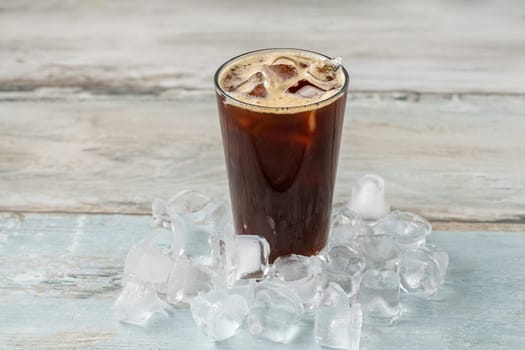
(239, 257)
(148, 262)
(244, 288)
(338, 324)
(409, 230)
(193, 206)
(380, 251)
(347, 237)
(275, 312)
(223, 273)
(334, 296)
(362, 229)
(158, 211)
(192, 241)
(186, 280)
(137, 303)
(441, 257)
(303, 274)
(344, 266)
(189, 213)
(342, 226)
(420, 272)
(221, 219)
(218, 313)
(368, 198)
(250, 256)
(379, 296)
(189, 204)
(344, 217)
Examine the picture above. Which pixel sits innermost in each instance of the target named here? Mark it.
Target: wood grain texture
(59, 275)
(137, 46)
(450, 158)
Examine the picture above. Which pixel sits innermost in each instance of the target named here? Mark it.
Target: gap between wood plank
(67, 93)
(437, 225)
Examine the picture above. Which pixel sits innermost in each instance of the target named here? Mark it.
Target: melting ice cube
(324, 72)
(380, 251)
(148, 262)
(275, 312)
(137, 302)
(253, 86)
(240, 257)
(191, 222)
(368, 198)
(218, 314)
(303, 274)
(186, 280)
(379, 295)
(408, 229)
(421, 272)
(344, 266)
(337, 323)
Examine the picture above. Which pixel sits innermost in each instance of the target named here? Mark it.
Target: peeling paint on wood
(68, 339)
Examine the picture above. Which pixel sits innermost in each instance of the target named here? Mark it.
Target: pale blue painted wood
(59, 275)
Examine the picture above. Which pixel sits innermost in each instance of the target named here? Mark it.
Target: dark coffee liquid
(281, 171)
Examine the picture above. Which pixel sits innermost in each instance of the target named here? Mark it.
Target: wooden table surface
(107, 105)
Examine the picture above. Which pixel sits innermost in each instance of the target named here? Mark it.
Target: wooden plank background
(451, 157)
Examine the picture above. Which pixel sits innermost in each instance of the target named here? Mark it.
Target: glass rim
(270, 109)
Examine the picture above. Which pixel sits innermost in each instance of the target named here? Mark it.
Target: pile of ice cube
(227, 281)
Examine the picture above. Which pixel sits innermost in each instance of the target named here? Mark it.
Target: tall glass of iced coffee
(281, 115)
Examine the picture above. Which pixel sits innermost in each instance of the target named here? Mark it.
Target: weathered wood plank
(458, 158)
(137, 46)
(59, 275)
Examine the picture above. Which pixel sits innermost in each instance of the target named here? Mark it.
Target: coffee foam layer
(281, 79)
